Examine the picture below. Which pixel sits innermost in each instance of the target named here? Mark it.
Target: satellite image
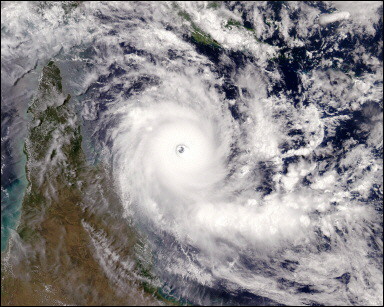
(192, 153)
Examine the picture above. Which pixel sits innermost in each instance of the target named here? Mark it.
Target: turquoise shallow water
(15, 100)
(12, 201)
(12, 196)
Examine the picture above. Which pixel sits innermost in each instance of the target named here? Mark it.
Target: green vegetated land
(198, 35)
(66, 209)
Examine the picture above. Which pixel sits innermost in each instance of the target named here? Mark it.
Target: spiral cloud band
(244, 140)
(170, 158)
(173, 161)
(189, 178)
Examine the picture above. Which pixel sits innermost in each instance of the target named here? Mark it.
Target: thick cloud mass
(244, 139)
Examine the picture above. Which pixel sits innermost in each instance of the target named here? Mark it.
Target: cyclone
(182, 169)
(197, 153)
(176, 153)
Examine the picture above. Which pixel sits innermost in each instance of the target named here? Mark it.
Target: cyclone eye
(180, 149)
